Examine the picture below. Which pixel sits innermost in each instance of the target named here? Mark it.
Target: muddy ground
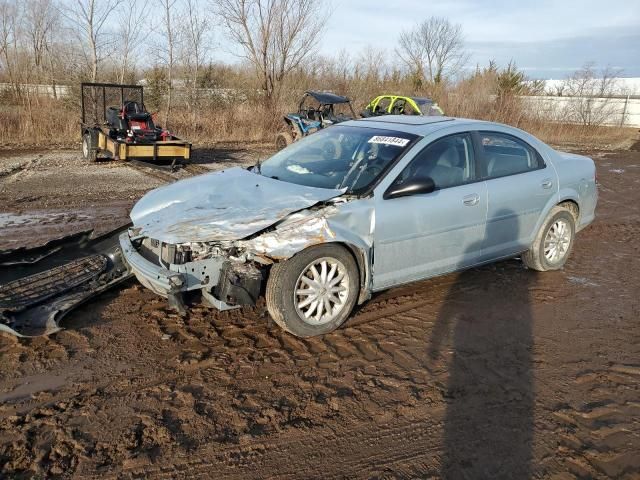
(497, 372)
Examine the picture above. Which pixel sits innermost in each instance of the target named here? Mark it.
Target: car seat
(446, 170)
(398, 108)
(504, 164)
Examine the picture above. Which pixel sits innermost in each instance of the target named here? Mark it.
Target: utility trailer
(116, 125)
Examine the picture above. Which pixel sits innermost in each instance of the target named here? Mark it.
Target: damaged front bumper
(223, 282)
(35, 304)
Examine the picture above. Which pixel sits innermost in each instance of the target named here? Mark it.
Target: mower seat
(135, 111)
(114, 120)
(139, 117)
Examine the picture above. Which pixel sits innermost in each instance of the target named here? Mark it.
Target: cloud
(559, 57)
(547, 37)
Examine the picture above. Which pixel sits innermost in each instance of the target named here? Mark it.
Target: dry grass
(45, 124)
(54, 123)
(563, 135)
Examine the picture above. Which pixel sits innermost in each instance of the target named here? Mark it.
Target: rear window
(507, 155)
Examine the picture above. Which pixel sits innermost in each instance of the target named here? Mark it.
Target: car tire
(288, 309)
(553, 242)
(283, 139)
(89, 151)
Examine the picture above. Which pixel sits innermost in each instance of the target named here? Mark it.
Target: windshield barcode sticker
(399, 142)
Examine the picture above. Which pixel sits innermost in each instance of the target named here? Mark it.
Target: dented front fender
(350, 223)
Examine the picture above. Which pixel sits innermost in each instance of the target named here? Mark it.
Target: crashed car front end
(188, 236)
(170, 270)
(232, 274)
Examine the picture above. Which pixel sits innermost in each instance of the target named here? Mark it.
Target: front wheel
(553, 243)
(283, 139)
(88, 148)
(314, 291)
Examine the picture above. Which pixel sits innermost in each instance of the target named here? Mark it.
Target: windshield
(338, 157)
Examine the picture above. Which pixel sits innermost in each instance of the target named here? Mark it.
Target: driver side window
(449, 161)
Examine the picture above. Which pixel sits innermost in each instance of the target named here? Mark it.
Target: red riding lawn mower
(132, 123)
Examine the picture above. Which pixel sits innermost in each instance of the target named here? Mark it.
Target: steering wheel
(375, 167)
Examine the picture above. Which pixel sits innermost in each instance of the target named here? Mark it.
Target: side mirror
(414, 186)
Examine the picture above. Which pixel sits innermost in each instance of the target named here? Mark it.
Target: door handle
(471, 200)
(547, 183)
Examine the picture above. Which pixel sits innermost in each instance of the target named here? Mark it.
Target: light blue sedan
(358, 208)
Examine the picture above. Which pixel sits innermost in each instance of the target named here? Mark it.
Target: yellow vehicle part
(168, 148)
(393, 99)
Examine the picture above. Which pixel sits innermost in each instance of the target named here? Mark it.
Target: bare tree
(131, 18)
(9, 39)
(89, 17)
(169, 50)
(196, 45)
(40, 18)
(275, 36)
(591, 94)
(433, 50)
(18, 62)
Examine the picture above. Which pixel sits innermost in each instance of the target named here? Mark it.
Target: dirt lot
(497, 372)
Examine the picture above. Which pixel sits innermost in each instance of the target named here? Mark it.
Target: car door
(423, 235)
(519, 186)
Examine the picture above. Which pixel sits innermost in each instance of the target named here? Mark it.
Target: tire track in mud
(372, 380)
(18, 168)
(196, 169)
(187, 170)
(150, 171)
(371, 444)
(596, 439)
(238, 368)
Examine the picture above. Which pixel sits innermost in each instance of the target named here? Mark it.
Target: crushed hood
(227, 205)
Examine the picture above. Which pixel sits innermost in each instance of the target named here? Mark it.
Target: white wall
(611, 111)
(40, 90)
(621, 85)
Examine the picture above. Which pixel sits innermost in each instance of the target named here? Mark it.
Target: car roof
(425, 125)
(416, 124)
(327, 97)
(422, 100)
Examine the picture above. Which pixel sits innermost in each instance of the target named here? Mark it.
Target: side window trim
(477, 134)
(475, 178)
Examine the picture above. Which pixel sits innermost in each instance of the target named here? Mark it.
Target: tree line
(53, 41)
(172, 43)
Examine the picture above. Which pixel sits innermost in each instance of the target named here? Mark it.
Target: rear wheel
(313, 292)
(553, 243)
(89, 151)
(283, 139)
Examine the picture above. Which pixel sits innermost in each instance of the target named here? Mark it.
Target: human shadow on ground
(484, 333)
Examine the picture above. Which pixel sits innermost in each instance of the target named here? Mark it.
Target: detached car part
(41, 285)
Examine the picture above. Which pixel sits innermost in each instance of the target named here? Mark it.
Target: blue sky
(548, 39)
